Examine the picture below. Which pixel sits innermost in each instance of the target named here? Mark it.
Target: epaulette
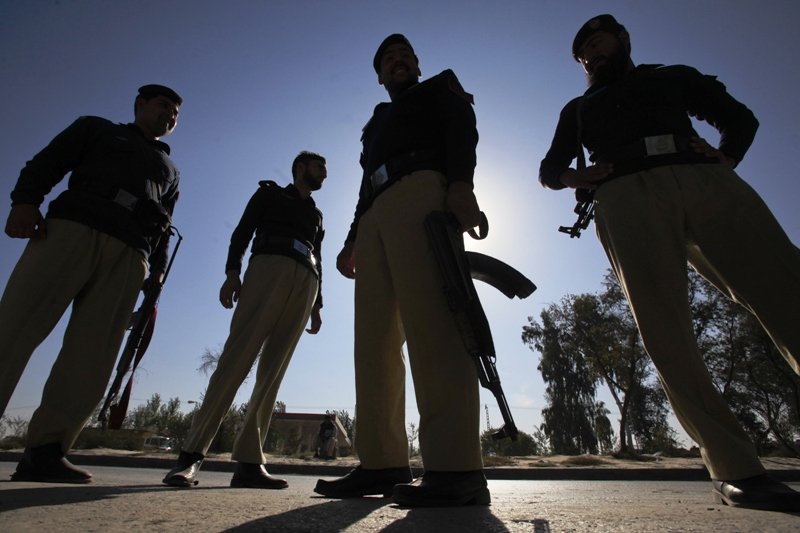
(267, 183)
(455, 86)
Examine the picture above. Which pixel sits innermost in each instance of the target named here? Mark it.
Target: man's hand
(155, 280)
(461, 201)
(586, 178)
(230, 290)
(25, 222)
(346, 261)
(700, 146)
(316, 321)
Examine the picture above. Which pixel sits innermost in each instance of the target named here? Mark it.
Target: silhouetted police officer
(91, 251)
(418, 156)
(664, 196)
(281, 290)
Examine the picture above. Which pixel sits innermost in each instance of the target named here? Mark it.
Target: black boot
(363, 482)
(255, 476)
(444, 489)
(758, 492)
(186, 469)
(47, 463)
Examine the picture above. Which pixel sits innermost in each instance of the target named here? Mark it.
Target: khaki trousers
(274, 306)
(398, 297)
(650, 223)
(101, 276)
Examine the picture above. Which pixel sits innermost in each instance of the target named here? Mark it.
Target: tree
(598, 332)
(747, 369)
(412, 434)
(228, 429)
(13, 426)
(592, 338)
(155, 416)
(570, 388)
(347, 421)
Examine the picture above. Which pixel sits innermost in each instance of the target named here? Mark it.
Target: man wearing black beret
(662, 197)
(93, 250)
(418, 156)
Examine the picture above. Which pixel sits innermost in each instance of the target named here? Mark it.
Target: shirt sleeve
(563, 148)
(461, 133)
(50, 165)
(708, 99)
(243, 232)
(160, 256)
(318, 256)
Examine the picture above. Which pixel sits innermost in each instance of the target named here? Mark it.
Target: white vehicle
(158, 443)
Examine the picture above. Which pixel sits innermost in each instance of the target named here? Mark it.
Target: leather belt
(647, 147)
(402, 165)
(278, 244)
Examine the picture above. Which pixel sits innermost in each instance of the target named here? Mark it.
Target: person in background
(281, 290)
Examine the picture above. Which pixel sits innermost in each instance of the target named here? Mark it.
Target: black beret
(153, 90)
(599, 23)
(394, 38)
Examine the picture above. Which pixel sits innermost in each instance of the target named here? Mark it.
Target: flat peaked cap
(598, 23)
(153, 90)
(394, 38)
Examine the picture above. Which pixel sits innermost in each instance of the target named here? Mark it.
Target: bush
(116, 439)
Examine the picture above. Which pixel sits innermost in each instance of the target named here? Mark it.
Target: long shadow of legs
(440, 519)
(39, 496)
(332, 515)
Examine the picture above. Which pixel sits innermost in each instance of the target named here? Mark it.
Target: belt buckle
(126, 199)
(300, 247)
(379, 177)
(660, 145)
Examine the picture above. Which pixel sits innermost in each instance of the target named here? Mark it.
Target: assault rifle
(585, 211)
(141, 328)
(458, 268)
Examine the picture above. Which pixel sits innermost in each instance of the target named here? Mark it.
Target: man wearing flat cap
(93, 250)
(418, 156)
(664, 197)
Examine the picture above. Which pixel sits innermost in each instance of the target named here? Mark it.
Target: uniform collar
(161, 145)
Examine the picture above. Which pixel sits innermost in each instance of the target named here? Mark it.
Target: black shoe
(759, 492)
(186, 469)
(444, 489)
(48, 464)
(364, 482)
(255, 476)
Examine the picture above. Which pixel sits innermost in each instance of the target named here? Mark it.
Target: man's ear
(299, 170)
(137, 103)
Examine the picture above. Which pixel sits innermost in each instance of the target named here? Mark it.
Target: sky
(263, 80)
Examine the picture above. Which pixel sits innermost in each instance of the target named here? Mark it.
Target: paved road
(132, 499)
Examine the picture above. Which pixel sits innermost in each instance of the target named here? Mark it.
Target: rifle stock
(458, 268)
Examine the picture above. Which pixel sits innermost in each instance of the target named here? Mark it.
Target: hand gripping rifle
(458, 268)
(584, 207)
(585, 211)
(143, 322)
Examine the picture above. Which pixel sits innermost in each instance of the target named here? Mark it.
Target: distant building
(296, 433)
